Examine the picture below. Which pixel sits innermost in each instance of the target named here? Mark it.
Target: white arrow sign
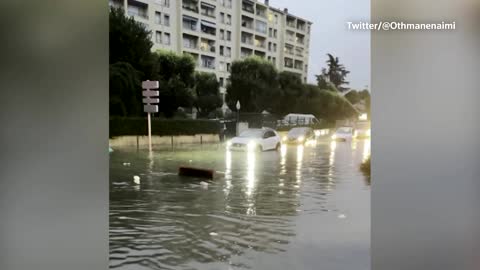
(149, 100)
(150, 93)
(150, 84)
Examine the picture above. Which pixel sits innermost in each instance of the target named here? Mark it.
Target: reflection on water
(254, 207)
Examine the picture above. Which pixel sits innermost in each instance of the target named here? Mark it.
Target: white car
(256, 139)
(343, 134)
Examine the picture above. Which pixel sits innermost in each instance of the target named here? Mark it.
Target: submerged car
(343, 134)
(299, 135)
(255, 139)
(362, 130)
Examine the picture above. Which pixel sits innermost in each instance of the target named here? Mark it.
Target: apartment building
(217, 32)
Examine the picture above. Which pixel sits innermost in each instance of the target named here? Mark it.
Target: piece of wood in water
(195, 172)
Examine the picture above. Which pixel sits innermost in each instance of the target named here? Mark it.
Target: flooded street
(303, 207)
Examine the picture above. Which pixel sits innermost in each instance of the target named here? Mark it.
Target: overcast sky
(330, 35)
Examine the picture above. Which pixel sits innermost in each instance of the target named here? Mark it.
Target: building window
(222, 17)
(261, 27)
(270, 32)
(158, 37)
(226, 3)
(228, 66)
(229, 35)
(274, 61)
(229, 19)
(274, 47)
(228, 51)
(167, 39)
(166, 20)
(269, 46)
(222, 34)
(275, 33)
(221, 66)
(158, 17)
(165, 3)
(221, 81)
(221, 50)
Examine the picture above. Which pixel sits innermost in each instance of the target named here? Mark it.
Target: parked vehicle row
(264, 139)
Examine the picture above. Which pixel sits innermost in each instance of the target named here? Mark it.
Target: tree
(175, 74)
(325, 105)
(207, 93)
(125, 90)
(254, 83)
(336, 74)
(130, 42)
(353, 96)
(291, 87)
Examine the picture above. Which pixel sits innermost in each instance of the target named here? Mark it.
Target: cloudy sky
(330, 35)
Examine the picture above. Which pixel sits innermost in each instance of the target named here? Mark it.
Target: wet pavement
(303, 207)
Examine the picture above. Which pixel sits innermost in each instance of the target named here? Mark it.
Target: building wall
(170, 36)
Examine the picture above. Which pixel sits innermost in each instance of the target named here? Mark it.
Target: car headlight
(334, 136)
(284, 138)
(252, 145)
(301, 139)
(229, 143)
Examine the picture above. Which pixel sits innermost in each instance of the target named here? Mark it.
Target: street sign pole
(150, 107)
(149, 133)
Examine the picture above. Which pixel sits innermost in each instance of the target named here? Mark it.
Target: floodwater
(303, 207)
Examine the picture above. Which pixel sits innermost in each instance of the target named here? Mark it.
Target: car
(299, 135)
(296, 119)
(343, 134)
(362, 130)
(255, 139)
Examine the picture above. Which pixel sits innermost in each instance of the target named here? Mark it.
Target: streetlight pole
(238, 115)
(238, 110)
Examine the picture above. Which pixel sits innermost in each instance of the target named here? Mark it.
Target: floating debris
(136, 179)
(342, 216)
(213, 234)
(195, 172)
(204, 184)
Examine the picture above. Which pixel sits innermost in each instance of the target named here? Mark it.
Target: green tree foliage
(291, 87)
(207, 93)
(326, 105)
(129, 42)
(254, 83)
(125, 90)
(353, 96)
(336, 74)
(175, 74)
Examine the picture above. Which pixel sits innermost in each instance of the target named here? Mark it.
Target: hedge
(162, 127)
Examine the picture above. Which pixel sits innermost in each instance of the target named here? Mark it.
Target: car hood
(243, 140)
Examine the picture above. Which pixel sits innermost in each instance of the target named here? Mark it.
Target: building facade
(217, 32)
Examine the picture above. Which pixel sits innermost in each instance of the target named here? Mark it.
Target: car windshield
(297, 131)
(252, 133)
(344, 130)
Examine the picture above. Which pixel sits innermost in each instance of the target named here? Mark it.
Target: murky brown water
(299, 208)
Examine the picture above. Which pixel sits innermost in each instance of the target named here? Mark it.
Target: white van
(296, 119)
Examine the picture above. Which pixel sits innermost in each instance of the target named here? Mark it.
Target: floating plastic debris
(342, 216)
(213, 234)
(136, 179)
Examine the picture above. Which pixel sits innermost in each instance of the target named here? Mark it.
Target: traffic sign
(150, 84)
(150, 93)
(150, 100)
(150, 108)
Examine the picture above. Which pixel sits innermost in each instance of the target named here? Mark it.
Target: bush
(365, 167)
(162, 127)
